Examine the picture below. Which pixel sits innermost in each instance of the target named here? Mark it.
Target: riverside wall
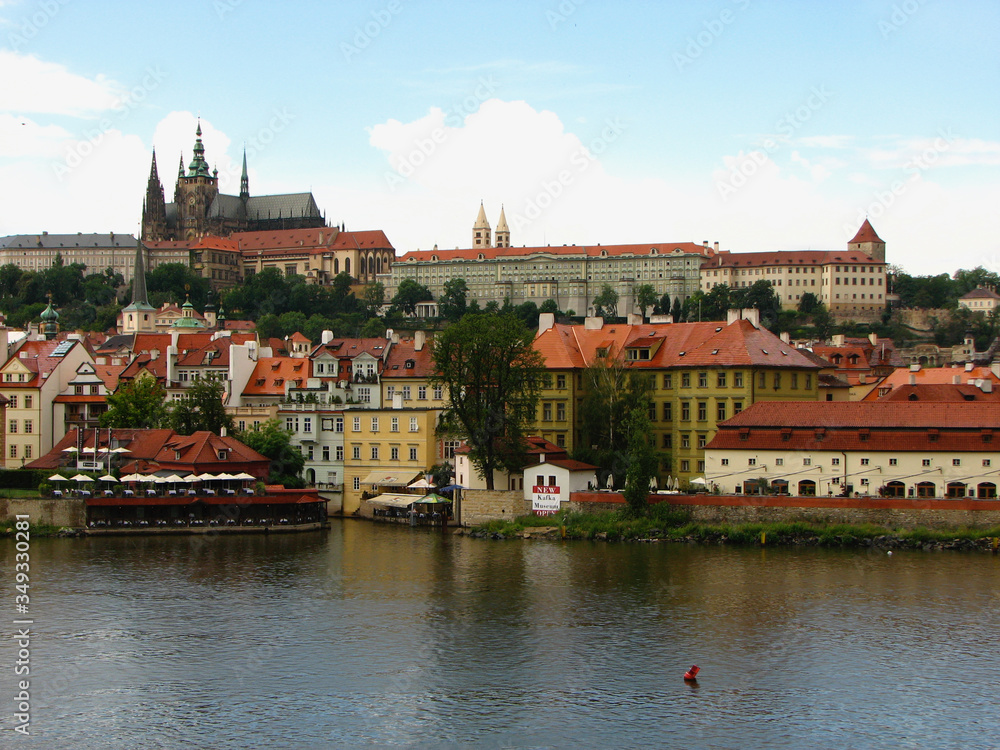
(897, 513)
(482, 506)
(70, 512)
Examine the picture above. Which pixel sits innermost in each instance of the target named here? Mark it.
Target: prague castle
(199, 209)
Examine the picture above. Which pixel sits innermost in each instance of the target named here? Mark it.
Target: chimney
(633, 319)
(914, 368)
(222, 432)
(786, 337)
(326, 337)
(545, 322)
(969, 366)
(419, 339)
(838, 339)
(716, 247)
(873, 338)
(986, 385)
(956, 380)
(732, 315)
(591, 323)
(913, 378)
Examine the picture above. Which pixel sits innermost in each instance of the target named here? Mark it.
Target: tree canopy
(138, 403)
(287, 461)
(493, 376)
(201, 408)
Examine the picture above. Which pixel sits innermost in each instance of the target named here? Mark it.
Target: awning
(122, 502)
(390, 500)
(383, 478)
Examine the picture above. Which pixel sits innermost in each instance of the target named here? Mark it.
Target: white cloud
(35, 86)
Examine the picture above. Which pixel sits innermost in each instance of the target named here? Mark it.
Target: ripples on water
(375, 636)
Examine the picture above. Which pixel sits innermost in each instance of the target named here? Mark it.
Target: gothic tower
(154, 208)
(868, 242)
(503, 231)
(244, 181)
(194, 193)
(481, 229)
(139, 316)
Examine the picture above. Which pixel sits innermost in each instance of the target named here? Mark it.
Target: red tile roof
(373, 239)
(285, 239)
(980, 293)
(271, 373)
(351, 348)
(927, 375)
(402, 352)
(713, 344)
(940, 392)
(591, 251)
(865, 234)
(34, 355)
(788, 257)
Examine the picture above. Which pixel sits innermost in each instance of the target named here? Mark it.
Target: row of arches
(807, 488)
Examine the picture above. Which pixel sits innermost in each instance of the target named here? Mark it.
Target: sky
(759, 124)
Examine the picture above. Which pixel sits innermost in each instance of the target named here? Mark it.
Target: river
(369, 635)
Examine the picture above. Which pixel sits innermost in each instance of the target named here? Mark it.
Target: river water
(369, 635)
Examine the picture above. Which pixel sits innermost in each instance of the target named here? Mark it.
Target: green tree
(453, 302)
(641, 460)
(176, 281)
(645, 298)
(493, 376)
(287, 461)
(808, 303)
(663, 308)
(138, 403)
(374, 298)
(613, 391)
(409, 294)
(606, 302)
(201, 408)
(677, 310)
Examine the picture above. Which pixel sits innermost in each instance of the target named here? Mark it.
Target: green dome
(49, 313)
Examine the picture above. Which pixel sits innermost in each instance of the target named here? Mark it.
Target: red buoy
(692, 674)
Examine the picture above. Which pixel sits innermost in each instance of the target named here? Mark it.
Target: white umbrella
(698, 480)
(206, 477)
(421, 484)
(57, 478)
(244, 476)
(71, 449)
(175, 478)
(120, 450)
(224, 475)
(87, 450)
(132, 478)
(611, 481)
(81, 478)
(108, 478)
(652, 483)
(160, 480)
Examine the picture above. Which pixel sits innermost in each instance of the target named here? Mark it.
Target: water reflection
(382, 636)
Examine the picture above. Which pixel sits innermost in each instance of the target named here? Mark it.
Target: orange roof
(351, 348)
(929, 375)
(285, 239)
(369, 239)
(787, 258)
(940, 392)
(866, 234)
(592, 251)
(217, 243)
(403, 352)
(712, 344)
(299, 337)
(34, 355)
(271, 373)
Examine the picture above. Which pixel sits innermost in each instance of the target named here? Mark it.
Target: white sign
(544, 500)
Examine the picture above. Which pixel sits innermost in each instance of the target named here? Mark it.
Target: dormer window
(223, 454)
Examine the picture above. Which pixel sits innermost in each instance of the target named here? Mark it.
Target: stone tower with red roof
(868, 242)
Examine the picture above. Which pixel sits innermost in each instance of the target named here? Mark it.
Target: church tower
(244, 181)
(481, 230)
(139, 316)
(154, 208)
(503, 231)
(868, 242)
(194, 193)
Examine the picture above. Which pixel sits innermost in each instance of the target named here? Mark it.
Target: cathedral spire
(154, 207)
(481, 229)
(244, 180)
(198, 166)
(503, 231)
(139, 295)
(180, 168)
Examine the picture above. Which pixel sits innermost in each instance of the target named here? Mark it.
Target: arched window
(779, 487)
(926, 489)
(807, 488)
(955, 489)
(986, 491)
(894, 489)
(336, 266)
(347, 265)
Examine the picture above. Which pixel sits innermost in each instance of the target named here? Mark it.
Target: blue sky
(758, 124)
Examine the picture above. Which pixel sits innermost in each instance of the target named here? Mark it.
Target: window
(795, 381)
(406, 393)
(668, 440)
(339, 425)
(720, 411)
(954, 461)
(560, 381)
(78, 390)
(668, 411)
(357, 483)
(892, 462)
(309, 453)
(422, 392)
(762, 380)
(925, 462)
(307, 424)
(364, 395)
(779, 462)
(394, 424)
(339, 453)
(374, 453)
(725, 462)
(737, 407)
(685, 380)
(561, 412)
(357, 424)
(777, 380)
(13, 402)
(751, 462)
(438, 393)
(13, 451)
(27, 451)
(737, 380)
(326, 452)
(291, 424)
(702, 411)
(413, 454)
(414, 427)
(835, 462)
(864, 462)
(702, 440)
(547, 412)
(668, 380)
(720, 380)
(807, 462)
(28, 400)
(356, 452)
(685, 465)
(685, 441)
(13, 427)
(703, 380)
(390, 391)
(223, 454)
(686, 411)
(28, 427)
(986, 462)
(393, 453)
(374, 424)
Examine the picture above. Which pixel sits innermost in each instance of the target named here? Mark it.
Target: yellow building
(702, 374)
(386, 449)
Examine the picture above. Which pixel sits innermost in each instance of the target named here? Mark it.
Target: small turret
(503, 231)
(481, 229)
